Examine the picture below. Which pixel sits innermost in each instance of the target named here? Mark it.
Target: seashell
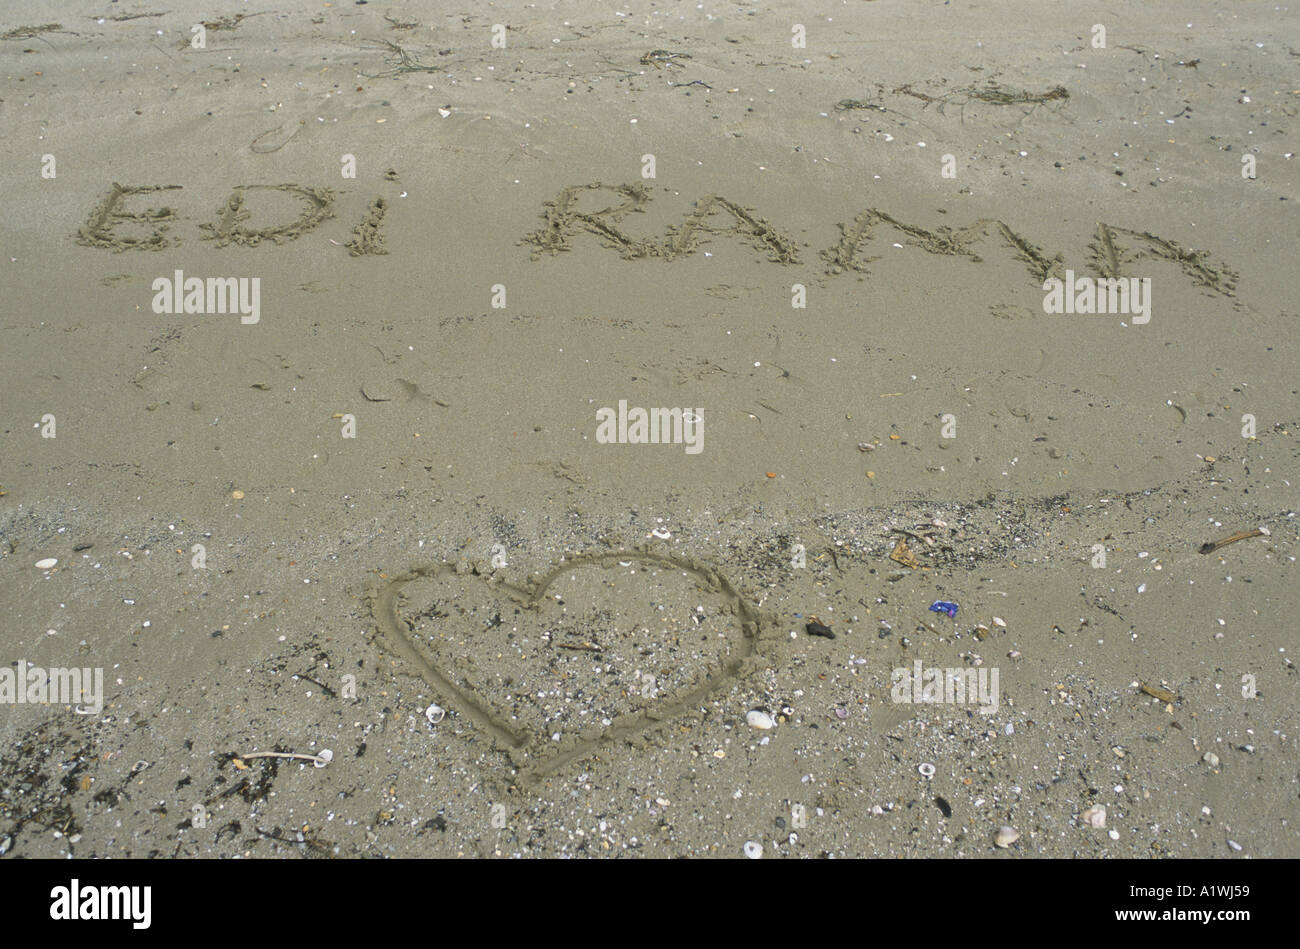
(435, 713)
(323, 758)
(926, 769)
(999, 621)
(46, 564)
(1094, 816)
(760, 720)
(1006, 836)
(1211, 759)
(753, 850)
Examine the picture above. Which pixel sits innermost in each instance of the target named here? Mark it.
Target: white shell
(1094, 816)
(753, 850)
(435, 714)
(1006, 836)
(323, 758)
(1211, 759)
(999, 621)
(926, 769)
(760, 720)
(46, 564)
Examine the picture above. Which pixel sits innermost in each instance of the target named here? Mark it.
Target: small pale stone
(760, 720)
(46, 564)
(1094, 816)
(1211, 759)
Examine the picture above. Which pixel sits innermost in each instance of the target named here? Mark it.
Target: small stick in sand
(1212, 546)
(320, 760)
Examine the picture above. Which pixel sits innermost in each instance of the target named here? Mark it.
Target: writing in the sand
(113, 226)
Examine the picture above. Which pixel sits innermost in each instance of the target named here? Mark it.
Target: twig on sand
(1212, 546)
(320, 760)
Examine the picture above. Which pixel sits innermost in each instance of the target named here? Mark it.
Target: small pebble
(46, 564)
(1113, 834)
(760, 720)
(1234, 845)
(1006, 836)
(1094, 816)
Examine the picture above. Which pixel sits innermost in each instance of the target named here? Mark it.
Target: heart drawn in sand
(599, 647)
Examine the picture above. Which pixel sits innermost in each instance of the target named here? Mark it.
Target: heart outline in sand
(525, 751)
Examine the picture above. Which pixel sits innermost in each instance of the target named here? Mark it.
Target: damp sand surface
(389, 493)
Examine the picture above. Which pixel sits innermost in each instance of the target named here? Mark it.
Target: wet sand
(299, 526)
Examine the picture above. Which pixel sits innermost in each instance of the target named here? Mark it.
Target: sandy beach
(657, 430)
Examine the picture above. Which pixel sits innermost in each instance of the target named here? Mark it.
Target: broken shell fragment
(323, 758)
(1006, 836)
(753, 850)
(435, 713)
(1094, 816)
(759, 720)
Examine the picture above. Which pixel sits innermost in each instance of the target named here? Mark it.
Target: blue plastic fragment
(943, 606)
